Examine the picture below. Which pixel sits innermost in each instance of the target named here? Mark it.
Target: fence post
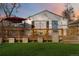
(40, 39)
(18, 35)
(55, 37)
(11, 40)
(25, 40)
(0, 40)
(47, 26)
(60, 32)
(33, 28)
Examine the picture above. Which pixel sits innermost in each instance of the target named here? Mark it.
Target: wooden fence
(39, 35)
(29, 35)
(72, 35)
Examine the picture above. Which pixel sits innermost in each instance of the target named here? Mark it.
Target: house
(49, 23)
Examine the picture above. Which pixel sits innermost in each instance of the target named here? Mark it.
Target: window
(40, 24)
(55, 25)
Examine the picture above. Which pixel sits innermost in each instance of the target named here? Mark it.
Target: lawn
(39, 49)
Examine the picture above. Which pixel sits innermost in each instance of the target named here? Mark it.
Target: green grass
(39, 49)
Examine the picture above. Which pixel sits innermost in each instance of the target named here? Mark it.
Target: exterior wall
(63, 23)
(63, 26)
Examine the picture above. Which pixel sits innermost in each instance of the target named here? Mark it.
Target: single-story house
(49, 23)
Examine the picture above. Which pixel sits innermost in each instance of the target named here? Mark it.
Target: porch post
(33, 28)
(47, 28)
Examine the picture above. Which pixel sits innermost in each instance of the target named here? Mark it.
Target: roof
(15, 19)
(75, 22)
(45, 11)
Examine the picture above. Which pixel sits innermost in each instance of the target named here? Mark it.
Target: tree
(68, 12)
(8, 9)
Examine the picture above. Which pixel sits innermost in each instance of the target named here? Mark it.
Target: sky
(28, 9)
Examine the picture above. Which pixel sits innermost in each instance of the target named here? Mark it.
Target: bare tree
(68, 12)
(8, 9)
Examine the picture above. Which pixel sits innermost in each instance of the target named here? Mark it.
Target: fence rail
(46, 34)
(23, 32)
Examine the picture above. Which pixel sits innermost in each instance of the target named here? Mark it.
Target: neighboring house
(74, 27)
(14, 22)
(46, 19)
(72, 33)
(11, 21)
(13, 27)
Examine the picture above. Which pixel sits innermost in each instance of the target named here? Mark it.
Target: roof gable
(45, 16)
(44, 12)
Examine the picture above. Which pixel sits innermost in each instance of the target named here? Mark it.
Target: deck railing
(33, 34)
